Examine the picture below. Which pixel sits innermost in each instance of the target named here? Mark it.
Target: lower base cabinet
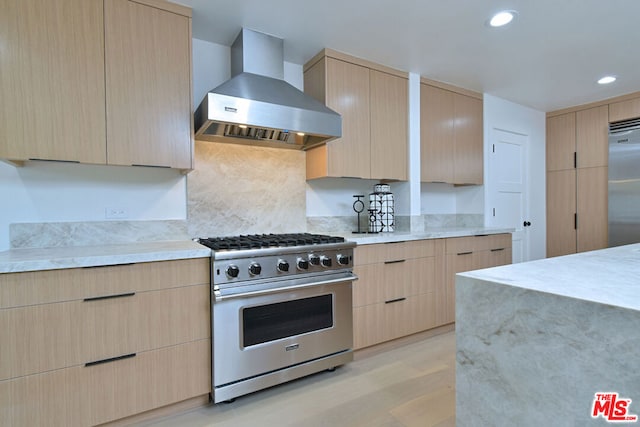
(95, 394)
(88, 346)
(409, 287)
(395, 293)
(471, 253)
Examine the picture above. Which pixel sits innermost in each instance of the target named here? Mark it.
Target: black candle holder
(358, 207)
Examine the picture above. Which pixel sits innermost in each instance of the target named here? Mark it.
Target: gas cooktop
(257, 241)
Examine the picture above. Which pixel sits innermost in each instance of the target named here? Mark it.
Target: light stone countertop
(34, 259)
(431, 233)
(607, 276)
(537, 342)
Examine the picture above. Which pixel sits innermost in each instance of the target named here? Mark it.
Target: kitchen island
(536, 341)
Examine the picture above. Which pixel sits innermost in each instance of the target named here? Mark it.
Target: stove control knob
(233, 271)
(342, 259)
(302, 264)
(283, 266)
(255, 269)
(314, 259)
(326, 261)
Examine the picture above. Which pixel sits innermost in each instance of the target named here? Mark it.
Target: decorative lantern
(381, 209)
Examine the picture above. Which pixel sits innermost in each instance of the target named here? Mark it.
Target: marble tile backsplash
(453, 220)
(419, 223)
(241, 189)
(61, 234)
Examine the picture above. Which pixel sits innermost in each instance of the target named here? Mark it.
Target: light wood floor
(409, 386)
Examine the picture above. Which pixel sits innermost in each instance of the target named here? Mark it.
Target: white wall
(62, 192)
(502, 114)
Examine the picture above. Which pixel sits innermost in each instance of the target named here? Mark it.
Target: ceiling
(548, 58)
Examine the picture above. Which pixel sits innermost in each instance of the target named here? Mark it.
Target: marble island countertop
(608, 276)
(34, 259)
(536, 342)
(429, 233)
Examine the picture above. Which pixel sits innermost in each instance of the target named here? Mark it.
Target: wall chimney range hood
(257, 107)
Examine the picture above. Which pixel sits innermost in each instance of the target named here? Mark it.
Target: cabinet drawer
(493, 241)
(89, 395)
(383, 282)
(382, 322)
(53, 336)
(385, 252)
(459, 245)
(495, 257)
(39, 287)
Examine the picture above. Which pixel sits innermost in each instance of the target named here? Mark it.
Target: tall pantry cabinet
(577, 158)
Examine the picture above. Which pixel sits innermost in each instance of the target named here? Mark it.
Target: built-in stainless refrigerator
(624, 183)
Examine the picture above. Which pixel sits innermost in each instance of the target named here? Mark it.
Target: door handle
(526, 224)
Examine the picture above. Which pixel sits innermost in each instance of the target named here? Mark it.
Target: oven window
(285, 319)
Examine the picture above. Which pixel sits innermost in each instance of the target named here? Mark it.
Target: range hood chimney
(257, 107)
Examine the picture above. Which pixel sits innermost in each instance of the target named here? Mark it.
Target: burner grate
(256, 241)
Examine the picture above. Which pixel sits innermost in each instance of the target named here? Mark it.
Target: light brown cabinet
(52, 80)
(577, 158)
(148, 85)
(96, 81)
(624, 110)
(373, 101)
(451, 136)
(561, 212)
(92, 345)
(470, 253)
(395, 293)
(409, 287)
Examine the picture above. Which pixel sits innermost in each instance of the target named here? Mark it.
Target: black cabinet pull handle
(395, 300)
(129, 294)
(112, 359)
(395, 262)
(497, 250)
(465, 253)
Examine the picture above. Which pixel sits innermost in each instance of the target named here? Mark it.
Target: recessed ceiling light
(502, 18)
(606, 80)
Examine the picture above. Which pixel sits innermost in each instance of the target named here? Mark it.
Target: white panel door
(507, 188)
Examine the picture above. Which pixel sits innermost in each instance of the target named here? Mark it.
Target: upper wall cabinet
(451, 135)
(624, 110)
(373, 101)
(148, 82)
(578, 139)
(96, 81)
(52, 80)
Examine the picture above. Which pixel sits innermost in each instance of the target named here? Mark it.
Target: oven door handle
(220, 297)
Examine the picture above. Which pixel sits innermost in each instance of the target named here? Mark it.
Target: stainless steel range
(281, 309)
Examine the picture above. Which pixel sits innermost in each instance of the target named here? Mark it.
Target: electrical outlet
(115, 213)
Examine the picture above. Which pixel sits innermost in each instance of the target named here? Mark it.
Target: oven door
(262, 332)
